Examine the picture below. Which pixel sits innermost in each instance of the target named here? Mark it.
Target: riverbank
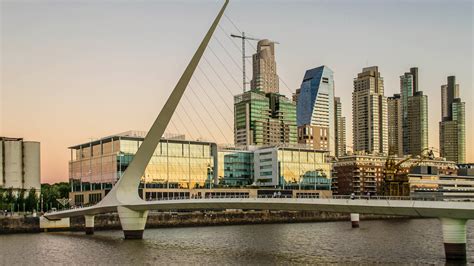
(13, 225)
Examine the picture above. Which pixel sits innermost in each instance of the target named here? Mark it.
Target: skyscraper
(262, 116)
(265, 76)
(395, 132)
(369, 112)
(452, 128)
(340, 122)
(407, 89)
(417, 123)
(315, 109)
(414, 114)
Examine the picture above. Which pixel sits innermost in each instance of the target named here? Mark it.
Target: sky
(72, 71)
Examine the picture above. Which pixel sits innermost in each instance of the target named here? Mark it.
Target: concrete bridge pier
(133, 222)
(454, 236)
(89, 224)
(355, 220)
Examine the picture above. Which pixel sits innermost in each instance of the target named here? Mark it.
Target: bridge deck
(415, 208)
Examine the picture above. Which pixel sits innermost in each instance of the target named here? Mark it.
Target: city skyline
(76, 107)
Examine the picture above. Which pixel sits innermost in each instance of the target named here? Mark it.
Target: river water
(398, 241)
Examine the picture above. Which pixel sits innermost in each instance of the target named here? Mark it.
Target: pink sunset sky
(72, 71)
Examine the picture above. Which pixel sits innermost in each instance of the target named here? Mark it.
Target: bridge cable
(213, 102)
(213, 86)
(209, 115)
(200, 118)
(225, 67)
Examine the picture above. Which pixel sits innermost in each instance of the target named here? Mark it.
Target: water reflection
(376, 242)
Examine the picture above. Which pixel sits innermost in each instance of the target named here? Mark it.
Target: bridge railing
(347, 197)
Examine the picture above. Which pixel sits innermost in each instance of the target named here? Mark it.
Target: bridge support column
(454, 236)
(89, 226)
(133, 222)
(355, 220)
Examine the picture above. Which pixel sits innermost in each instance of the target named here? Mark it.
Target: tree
(20, 200)
(10, 198)
(31, 200)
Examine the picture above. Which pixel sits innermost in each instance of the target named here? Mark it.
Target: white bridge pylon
(125, 191)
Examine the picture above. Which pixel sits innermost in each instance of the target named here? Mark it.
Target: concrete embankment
(167, 219)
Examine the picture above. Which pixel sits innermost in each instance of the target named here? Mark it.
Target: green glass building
(264, 119)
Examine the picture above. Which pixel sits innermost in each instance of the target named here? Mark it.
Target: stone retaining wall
(167, 219)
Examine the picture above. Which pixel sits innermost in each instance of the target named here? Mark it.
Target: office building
(395, 129)
(369, 112)
(264, 119)
(19, 165)
(340, 122)
(97, 165)
(265, 76)
(452, 128)
(235, 167)
(316, 111)
(291, 168)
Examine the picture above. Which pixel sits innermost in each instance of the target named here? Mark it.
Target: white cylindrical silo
(31, 165)
(13, 164)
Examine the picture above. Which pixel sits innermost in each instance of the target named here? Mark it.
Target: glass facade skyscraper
(315, 109)
(414, 114)
(452, 128)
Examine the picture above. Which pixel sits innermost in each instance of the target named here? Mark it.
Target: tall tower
(340, 122)
(369, 112)
(417, 123)
(408, 87)
(315, 109)
(414, 114)
(265, 76)
(452, 128)
(395, 132)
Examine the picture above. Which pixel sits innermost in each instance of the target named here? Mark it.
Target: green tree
(31, 200)
(20, 200)
(2, 198)
(50, 194)
(10, 199)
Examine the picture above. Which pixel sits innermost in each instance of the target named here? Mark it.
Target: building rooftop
(138, 135)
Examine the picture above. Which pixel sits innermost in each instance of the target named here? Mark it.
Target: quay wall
(186, 219)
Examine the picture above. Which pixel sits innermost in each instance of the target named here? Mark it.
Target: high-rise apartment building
(265, 76)
(417, 123)
(340, 122)
(316, 111)
(264, 119)
(452, 128)
(395, 129)
(414, 115)
(369, 112)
